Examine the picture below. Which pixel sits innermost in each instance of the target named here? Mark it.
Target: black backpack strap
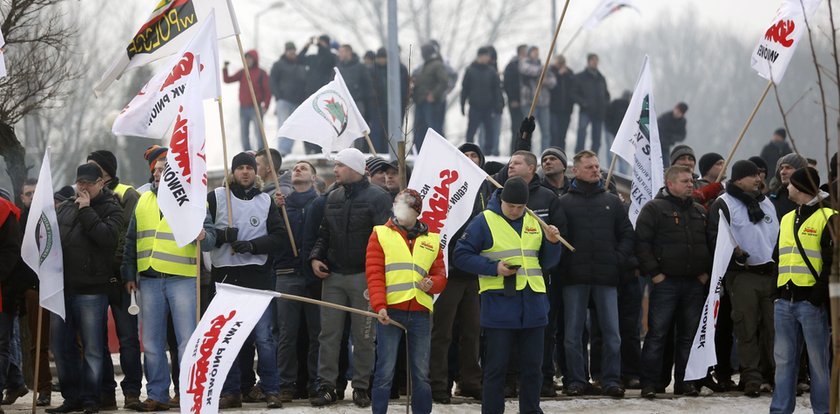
(803, 254)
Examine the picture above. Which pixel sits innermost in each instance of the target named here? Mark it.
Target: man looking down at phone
(508, 250)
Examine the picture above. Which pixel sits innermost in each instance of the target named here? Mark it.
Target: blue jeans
(288, 325)
(427, 115)
(584, 119)
(559, 127)
(128, 334)
(158, 298)
(86, 318)
(576, 300)
(498, 343)
(388, 339)
(796, 322)
(283, 110)
(248, 116)
(266, 359)
(14, 374)
(483, 117)
(678, 302)
(543, 119)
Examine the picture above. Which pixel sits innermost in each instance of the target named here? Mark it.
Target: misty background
(699, 51)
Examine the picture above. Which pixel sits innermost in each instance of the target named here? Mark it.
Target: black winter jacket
(671, 130)
(349, 216)
(89, 238)
(481, 86)
(288, 80)
(601, 233)
(357, 78)
(671, 237)
(319, 68)
(562, 98)
(591, 93)
(513, 89)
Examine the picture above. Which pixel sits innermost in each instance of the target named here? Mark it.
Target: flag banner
(182, 195)
(606, 8)
(152, 111)
(171, 26)
(776, 47)
(2, 56)
(41, 246)
(702, 355)
(328, 118)
(637, 142)
(448, 181)
(231, 316)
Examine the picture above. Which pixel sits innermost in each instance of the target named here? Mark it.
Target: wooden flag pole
(37, 359)
(572, 40)
(258, 113)
(225, 155)
(547, 60)
(370, 144)
(744, 132)
(610, 171)
(333, 306)
(403, 172)
(542, 222)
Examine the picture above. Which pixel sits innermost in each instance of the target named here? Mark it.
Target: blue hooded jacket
(526, 309)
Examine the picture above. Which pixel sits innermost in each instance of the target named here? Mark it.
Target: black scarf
(752, 201)
(418, 229)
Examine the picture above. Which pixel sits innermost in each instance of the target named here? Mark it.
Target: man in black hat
(554, 163)
(751, 276)
(506, 247)
(118, 298)
(90, 225)
(241, 258)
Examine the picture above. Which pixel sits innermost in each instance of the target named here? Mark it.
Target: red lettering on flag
(780, 33)
(183, 68)
(435, 217)
(198, 372)
(179, 144)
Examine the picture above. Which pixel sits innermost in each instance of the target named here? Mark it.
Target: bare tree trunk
(13, 153)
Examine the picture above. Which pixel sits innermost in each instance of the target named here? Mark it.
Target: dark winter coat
(288, 80)
(431, 79)
(782, 202)
(481, 87)
(252, 276)
(512, 84)
(591, 93)
(319, 68)
(773, 151)
(615, 114)
(89, 238)
(357, 78)
(562, 94)
(600, 231)
(350, 213)
(379, 80)
(296, 205)
(671, 130)
(671, 237)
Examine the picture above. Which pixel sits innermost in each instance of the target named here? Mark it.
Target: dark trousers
(752, 297)
(129, 338)
(428, 115)
(559, 127)
(483, 116)
(516, 117)
(678, 302)
(458, 302)
(497, 353)
(44, 374)
(723, 339)
(552, 359)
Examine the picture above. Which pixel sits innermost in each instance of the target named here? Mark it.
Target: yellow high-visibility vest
(792, 266)
(156, 247)
(120, 190)
(510, 247)
(404, 269)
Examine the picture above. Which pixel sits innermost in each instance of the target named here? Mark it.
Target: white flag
(702, 355)
(182, 194)
(637, 142)
(170, 27)
(41, 247)
(328, 118)
(215, 343)
(449, 183)
(2, 56)
(775, 48)
(606, 8)
(152, 111)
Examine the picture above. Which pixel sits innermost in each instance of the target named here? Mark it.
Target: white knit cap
(352, 158)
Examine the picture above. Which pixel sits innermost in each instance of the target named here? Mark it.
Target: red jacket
(707, 194)
(375, 270)
(260, 79)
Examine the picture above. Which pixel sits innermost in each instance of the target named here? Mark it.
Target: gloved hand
(526, 129)
(243, 246)
(226, 235)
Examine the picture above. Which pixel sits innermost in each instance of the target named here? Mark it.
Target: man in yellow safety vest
(800, 313)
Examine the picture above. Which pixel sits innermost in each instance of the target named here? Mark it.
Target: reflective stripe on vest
(404, 268)
(156, 247)
(792, 266)
(510, 247)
